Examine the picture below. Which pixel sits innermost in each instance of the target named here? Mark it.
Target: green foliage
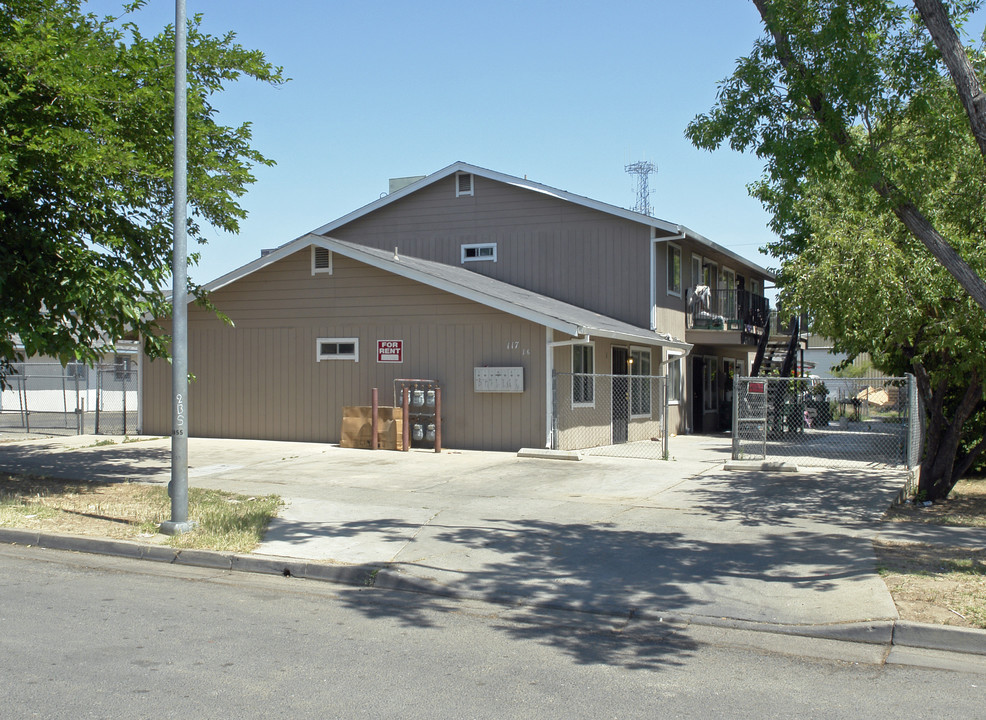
(86, 161)
(855, 119)
(863, 65)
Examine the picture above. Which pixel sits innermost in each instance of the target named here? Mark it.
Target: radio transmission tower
(642, 170)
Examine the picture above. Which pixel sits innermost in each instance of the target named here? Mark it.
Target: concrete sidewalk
(628, 538)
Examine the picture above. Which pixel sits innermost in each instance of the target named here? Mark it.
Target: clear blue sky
(566, 93)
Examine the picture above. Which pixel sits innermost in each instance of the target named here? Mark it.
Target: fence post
(99, 395)
(667, 420)
(736, 401)
(27, 410)
(78, 414)
(554, 409)
(126, 383)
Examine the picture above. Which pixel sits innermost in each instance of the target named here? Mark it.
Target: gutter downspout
(549, 394)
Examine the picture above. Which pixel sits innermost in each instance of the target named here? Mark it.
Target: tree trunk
(941, 467)
(963, 74)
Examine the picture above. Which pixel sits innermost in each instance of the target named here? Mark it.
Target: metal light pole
(178, 487)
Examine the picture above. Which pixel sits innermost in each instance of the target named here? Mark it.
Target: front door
(621, 395)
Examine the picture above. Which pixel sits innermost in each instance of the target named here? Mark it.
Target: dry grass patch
(931, 584)
(226, 521)
(965, 505)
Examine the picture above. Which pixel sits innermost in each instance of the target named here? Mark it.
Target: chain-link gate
(49, 399)
(834, 422)
(619, 415)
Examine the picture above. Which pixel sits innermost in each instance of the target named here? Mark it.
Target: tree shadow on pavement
(847, 499)
(614, 583)
(144, 461)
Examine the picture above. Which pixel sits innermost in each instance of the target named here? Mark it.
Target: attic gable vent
(321, 260)
(463, 184)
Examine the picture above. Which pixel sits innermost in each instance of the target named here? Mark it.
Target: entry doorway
(698, 393)
(621, 395)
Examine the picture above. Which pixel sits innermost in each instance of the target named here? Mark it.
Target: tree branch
(829, 121)
(936, 19)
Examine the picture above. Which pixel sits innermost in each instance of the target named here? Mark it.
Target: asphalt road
(87, 636)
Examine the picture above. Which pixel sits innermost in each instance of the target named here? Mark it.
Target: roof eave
(654, 341)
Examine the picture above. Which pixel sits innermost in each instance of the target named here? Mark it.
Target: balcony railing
(714, 309)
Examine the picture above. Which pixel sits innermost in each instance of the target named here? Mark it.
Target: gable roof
(672, 229)
(513, 300)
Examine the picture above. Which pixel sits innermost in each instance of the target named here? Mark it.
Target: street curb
(873, 632)
(899, 633)
(940, 637)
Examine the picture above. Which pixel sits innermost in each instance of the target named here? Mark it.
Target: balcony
(738, 312)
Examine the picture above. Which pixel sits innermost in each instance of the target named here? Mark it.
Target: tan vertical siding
(550, 246)
(260, 379)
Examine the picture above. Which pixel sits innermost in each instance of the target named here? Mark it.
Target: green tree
(823, 68)
(867, 284)
(86, 147)
(871, 163)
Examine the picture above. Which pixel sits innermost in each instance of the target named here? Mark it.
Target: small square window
(483, 251)
(337, 349)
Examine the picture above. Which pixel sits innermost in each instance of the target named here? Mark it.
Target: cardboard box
(357, 421)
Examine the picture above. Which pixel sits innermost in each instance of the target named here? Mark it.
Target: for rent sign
(390, 351)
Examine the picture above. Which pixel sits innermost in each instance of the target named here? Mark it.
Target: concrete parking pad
(616, 535)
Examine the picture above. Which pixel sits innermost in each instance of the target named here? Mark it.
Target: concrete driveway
(614, 535)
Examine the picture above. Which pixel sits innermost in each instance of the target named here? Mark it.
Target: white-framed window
(674, 381)
(463, 184)
(479, 251)
(728, 303)
(710, 274)
(696, 270)
(640, 382)
(583, 380)
(674, 270)
(321, 260)
(337, 349)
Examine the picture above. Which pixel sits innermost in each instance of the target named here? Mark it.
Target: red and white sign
(390, 351)
(756, 387)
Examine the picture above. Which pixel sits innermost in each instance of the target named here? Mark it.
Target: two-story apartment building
(469, 273)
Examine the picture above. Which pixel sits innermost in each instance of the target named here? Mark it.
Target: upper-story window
(463, 184)
(674, 270)
(479, 251)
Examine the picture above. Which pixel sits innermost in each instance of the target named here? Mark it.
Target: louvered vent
(321, 260)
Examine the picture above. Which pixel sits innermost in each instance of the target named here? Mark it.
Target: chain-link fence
(619, 415)
(49, 399)
(834, 423)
